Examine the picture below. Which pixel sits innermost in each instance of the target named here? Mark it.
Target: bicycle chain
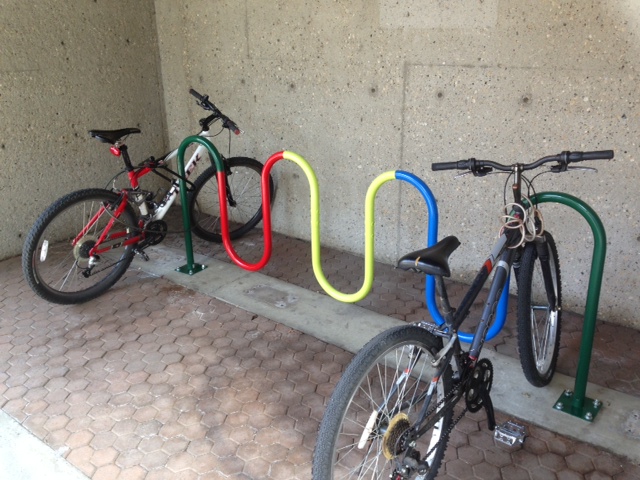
(147, 222)
(139, 247)
(453, 423)
(455, 391)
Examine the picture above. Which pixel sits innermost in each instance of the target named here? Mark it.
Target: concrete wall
(362, 87)
(357, 88)
(67, 67)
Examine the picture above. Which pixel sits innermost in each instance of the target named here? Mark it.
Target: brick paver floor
(154, 381)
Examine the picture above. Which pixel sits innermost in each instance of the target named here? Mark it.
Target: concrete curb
(25, 457)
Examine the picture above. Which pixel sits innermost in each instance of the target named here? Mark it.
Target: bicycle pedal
(510, 433)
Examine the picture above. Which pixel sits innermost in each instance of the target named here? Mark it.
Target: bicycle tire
(54, 268)
(361, 390)
(539, 323)
(244, 182)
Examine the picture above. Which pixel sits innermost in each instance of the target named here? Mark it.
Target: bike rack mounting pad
(575, 402)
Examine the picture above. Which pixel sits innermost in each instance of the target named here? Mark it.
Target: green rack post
(191, 267)
(575, 402)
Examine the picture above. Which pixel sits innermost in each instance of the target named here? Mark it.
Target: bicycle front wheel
(244, 200)
(376, 402)
(539, 310)
(55, 259)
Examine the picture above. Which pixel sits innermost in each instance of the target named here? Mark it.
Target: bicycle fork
(545, 259)
(228, 172)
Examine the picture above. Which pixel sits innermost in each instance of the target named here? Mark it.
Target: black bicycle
(392, 411)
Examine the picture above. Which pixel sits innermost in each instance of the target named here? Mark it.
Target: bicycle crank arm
(488, 407)
(140, 252)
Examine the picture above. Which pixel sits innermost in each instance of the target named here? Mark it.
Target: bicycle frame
(505, 257)
(501, 260)
(105, 236)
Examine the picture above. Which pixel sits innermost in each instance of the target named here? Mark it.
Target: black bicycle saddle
(112, 136)
(433, 260)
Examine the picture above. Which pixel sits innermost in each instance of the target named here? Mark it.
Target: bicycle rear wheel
(57, 270)
(244, 213)
(374, 403)
(539, 311)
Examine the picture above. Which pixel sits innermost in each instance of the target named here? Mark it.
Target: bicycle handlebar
(204, 102)
(482, 167)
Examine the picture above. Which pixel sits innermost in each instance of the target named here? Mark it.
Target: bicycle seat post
(125, 157)
(447, 310)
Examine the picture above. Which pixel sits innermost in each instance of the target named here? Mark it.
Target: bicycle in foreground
(83, 243)
(392, 411)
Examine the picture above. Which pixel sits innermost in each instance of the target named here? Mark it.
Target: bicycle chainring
(479, 385)
(155, 232)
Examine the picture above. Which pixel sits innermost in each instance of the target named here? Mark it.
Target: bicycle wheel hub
(83, 247)
(391, 441)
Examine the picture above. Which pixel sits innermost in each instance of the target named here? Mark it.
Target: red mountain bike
(84, 242)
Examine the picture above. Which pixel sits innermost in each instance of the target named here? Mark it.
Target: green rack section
(191, 268)
(576, 402)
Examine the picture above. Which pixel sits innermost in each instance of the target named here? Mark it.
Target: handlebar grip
(599, 155)
(461, 165)
(196, 94)
(231, 125)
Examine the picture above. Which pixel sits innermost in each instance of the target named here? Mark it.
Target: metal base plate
(191, 269)
(587, 412)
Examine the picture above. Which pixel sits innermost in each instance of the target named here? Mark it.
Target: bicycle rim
(57, 269)
(375, 403)
(543, 319)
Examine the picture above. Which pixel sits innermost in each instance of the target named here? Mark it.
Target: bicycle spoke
(68, 275)
(362, 441)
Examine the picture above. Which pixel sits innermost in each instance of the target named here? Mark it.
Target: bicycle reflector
(115, 151)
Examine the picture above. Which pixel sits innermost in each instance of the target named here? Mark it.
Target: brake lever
(492, 172)
(559, 169)
(477, 172)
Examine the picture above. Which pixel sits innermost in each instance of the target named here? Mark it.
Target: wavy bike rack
(432, 233)
(574, 403)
